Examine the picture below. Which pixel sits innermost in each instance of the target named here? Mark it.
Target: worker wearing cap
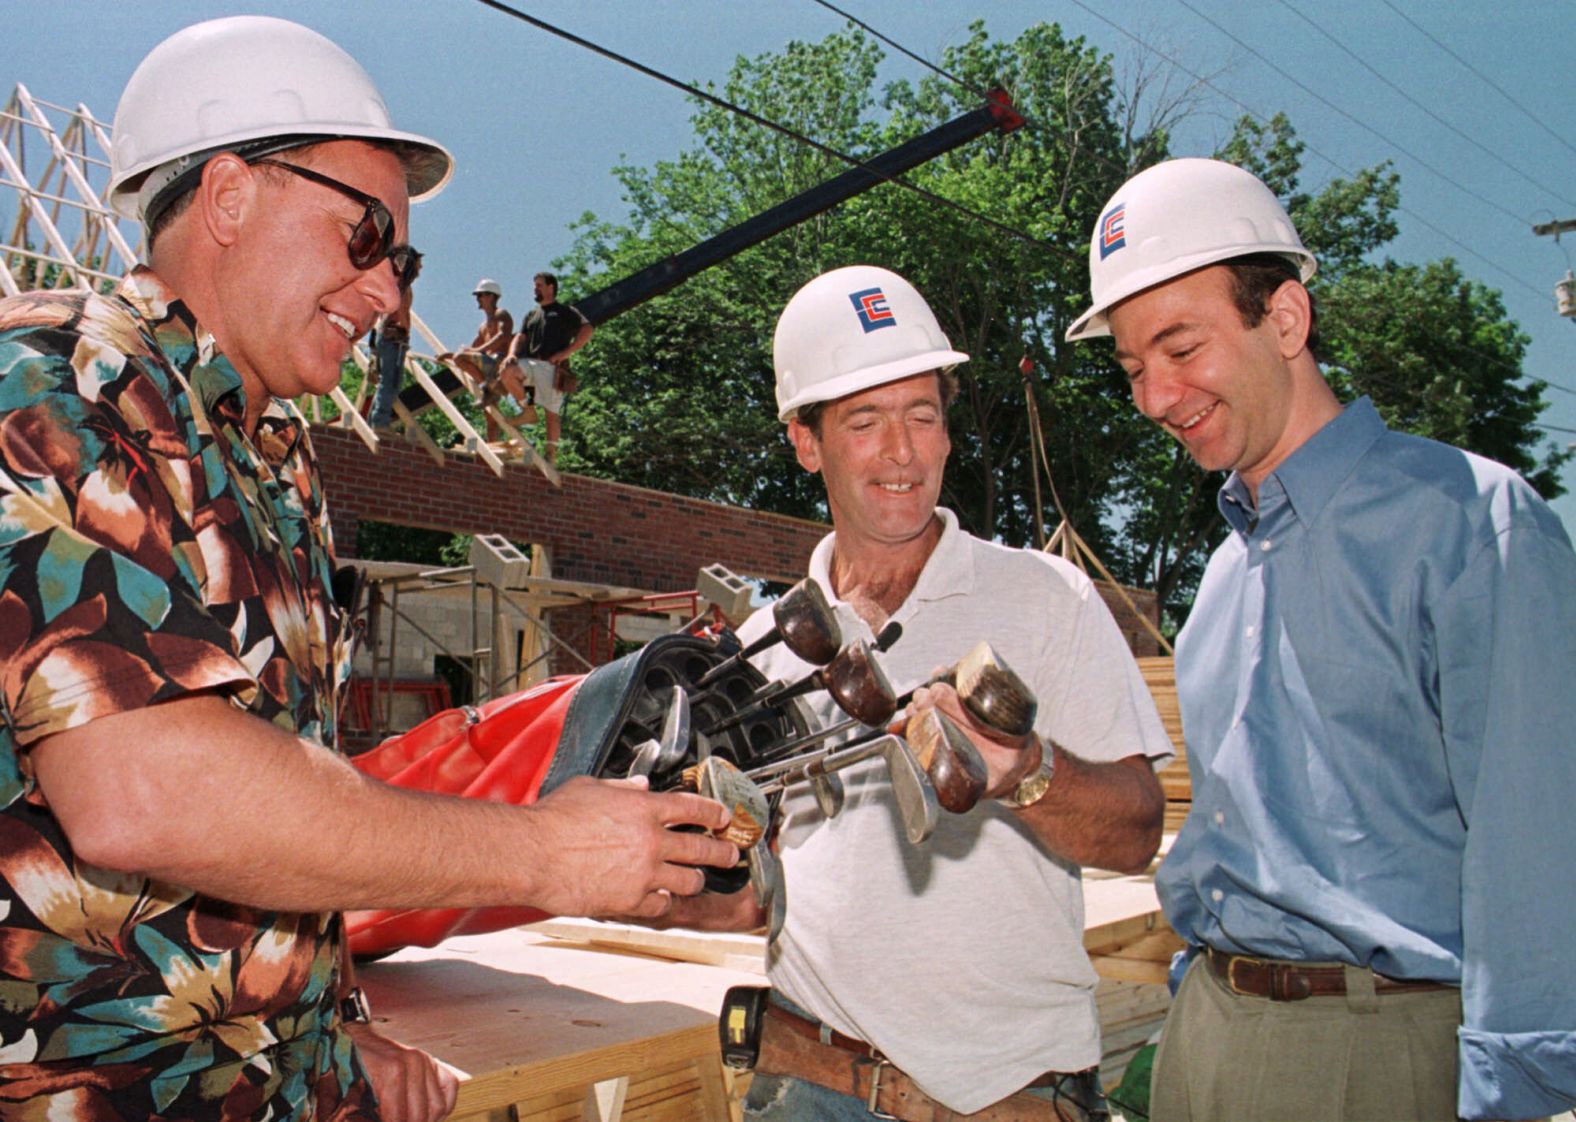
(1375, 683)
(177, 833)
(960, 961)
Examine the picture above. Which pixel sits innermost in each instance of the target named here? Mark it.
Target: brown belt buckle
(872, 1099)
(1232, 962)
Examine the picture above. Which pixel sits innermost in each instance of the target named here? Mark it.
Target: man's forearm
(1105, 815)
(197, 793)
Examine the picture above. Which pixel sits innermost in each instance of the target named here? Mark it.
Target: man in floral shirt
(176, 841)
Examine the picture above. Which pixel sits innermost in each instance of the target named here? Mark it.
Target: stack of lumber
(1130, 1017)
(1161, 678)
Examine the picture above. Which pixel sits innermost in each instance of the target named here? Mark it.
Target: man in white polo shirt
(959, 961)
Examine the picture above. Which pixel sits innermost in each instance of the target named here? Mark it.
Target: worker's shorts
(542, 377)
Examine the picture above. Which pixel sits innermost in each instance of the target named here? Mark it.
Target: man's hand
(711, 911)
(411, 1086)
(605, 847)
(1008, 759)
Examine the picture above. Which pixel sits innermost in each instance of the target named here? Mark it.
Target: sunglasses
(373, 238)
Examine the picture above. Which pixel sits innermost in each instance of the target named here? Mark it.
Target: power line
(1495, 86)
(896, 46)
(1120, 170)
(1495, 360)
(764, 122)
(1470, 140)
(1419, 219)
(1358, 121)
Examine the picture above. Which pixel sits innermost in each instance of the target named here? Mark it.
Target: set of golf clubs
(932, 767)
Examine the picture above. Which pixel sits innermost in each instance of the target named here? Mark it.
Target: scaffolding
(504, 643)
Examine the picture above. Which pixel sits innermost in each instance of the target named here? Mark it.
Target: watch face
(1032, 789)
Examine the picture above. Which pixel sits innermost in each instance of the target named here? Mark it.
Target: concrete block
(730, 592)
(498, 562)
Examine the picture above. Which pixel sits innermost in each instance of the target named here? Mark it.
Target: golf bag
(517, 749)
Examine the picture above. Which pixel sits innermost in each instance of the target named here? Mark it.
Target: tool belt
(1294, 981)
(793, 1046)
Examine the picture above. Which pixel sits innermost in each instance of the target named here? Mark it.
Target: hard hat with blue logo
(1175, 217)
(852, 329)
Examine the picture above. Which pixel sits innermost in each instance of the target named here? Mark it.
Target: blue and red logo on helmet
(1113, 230)
(871, 304)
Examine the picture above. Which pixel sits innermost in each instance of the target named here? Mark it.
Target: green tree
(677, 394)
(1437, 354)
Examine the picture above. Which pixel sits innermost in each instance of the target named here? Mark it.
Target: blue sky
(537, 124)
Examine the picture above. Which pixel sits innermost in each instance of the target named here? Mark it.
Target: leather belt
(1295, 981)
(804, 1049)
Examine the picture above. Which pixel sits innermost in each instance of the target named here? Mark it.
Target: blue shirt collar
(1311, 475)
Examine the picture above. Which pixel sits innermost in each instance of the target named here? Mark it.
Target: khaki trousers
(1227, 1057)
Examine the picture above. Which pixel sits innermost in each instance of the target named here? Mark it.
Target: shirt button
(1249, 631)
(1235, 721)
(1265, 545)
(1220, 818)
(1216, 895)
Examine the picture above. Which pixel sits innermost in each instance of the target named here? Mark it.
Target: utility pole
(1565, 290)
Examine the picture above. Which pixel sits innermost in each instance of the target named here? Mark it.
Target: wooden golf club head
(859, 686)
(953, 764)
(807, 623)
(992, 693)
(718, 779)
(854, 680)
(803, 620)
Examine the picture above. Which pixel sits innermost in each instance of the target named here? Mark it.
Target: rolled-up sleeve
(1506, 636)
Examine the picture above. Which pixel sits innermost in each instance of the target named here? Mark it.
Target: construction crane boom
(661, 276)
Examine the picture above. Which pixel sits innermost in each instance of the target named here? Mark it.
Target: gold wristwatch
(1032, 787)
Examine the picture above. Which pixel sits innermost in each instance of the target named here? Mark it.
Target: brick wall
(609, 533)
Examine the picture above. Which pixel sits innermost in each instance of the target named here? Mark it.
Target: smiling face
(1228, 392)
(880, 453)
(289, 302)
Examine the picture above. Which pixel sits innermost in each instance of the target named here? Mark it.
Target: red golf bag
(518, 748)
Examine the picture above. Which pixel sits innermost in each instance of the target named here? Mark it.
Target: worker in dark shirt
(550, 333)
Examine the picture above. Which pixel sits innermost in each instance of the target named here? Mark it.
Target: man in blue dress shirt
(1377, 689)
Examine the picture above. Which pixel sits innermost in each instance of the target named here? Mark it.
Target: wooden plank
(521, 1017)
(533, 1022)
(733, 950)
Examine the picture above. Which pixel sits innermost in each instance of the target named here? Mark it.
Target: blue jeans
(781, 1098)
(390, 351)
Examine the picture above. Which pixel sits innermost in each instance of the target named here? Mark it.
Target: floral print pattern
(150, 549)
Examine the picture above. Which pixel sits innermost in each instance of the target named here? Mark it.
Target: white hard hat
(1175, 217)
(487, 285)
(251, 84)
(851, 329)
